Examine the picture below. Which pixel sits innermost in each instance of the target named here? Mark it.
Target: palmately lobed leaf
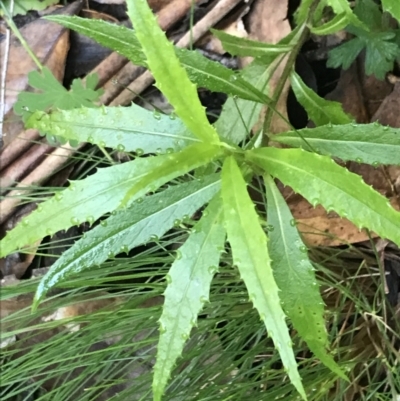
(364, 143)
(141, 222)
(189, 281)
(103, 192)
(295, 276)
(131, 129)
(250, 254)
(54, 95)
(321, 181)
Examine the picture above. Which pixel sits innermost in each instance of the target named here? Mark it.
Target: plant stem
(302, 37)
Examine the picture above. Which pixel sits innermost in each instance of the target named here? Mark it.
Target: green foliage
(201, 71)
(250, 254)
(148, 132)
(379, 40)
(189, 281)
(21, 7)
(246, 47)
(54, 95)
(364, 143)
(319, 110)
(168, 71)
(142, 200)
(293, 271)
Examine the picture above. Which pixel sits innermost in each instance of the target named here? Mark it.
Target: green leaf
(337, 23)
(238, 116)
(130, 128)
(294, 275)
(103, 192)
(393, 7)
(319, 110)
(345, 54)
(203, 72)
(245, 47)
(343, 7)
(21, 7)
(141, 222)
(54, 95)
(168, 72)
(321, 181)
(364, 143)
(301, 13)
(250, 254)
(188, 289)
(376, 36)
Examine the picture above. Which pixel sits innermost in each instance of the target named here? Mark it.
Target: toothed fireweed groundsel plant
(140, 201)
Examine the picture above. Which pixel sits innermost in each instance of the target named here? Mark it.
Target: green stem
(302, 37)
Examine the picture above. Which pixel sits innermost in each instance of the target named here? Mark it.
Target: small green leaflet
(139, 223)
(343, 7)
(54, 95)
(21, 7)
(168, 72)
(393, 7)
(302, 11)
(188, 290)
(128, 129)
(294, 275)
(321, 181)
(378, 40)
(246, 47)
(104, 192)
(319, 110)
(203, 72)
(364, 143)
(250, 254)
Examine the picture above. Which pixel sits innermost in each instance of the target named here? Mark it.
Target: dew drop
(102, 144)
(25, 222)
(162, 329)
(90, 219)
(303, 249)
(120, 148)
(110, 254)
(172, 116)
(159, 151)
(103, 223)
(203, 299)
(58, 196)
(124, 248)
(177, 222)
(139, 200)
(154, 238)
(359, 160)
(74, 221)
(90, 139)
(139, 152)
(293, 222)
(178, 255)
(40, 208)
(375, 164)
(184, 336)
(233, 77)
(170, 150)
(213, 269)
(157, 115)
